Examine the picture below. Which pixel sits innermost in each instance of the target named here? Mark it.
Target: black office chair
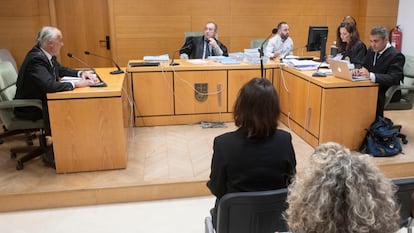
(405, 198)
(14, 125)
(250, 212)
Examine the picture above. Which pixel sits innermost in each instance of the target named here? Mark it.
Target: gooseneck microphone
(318, 73)
(118, 71)
(172, 59)
(175, 52)
(100, 83)
(261, 52)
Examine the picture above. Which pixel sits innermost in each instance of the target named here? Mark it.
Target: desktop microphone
(118, 71)
(172, 59)
(175, 52)
(261, 52)
(318, 73)
(100, 83)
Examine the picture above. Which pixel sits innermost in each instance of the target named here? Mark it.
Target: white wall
(404, 19)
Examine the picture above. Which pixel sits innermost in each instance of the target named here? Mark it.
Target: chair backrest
(8, 78)
(194, 34)
(409, 66)
(256, 43)
(5, 55)
(252, 212)
(405, 198)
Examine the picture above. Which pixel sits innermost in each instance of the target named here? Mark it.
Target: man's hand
(84, 83)
(89, 75)
(276, 54)
(212, 42)
(361, 72)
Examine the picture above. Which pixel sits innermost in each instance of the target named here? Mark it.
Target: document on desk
(301, 64)
(163, 57)
(70, 79)
(224, 60)
(197, 61)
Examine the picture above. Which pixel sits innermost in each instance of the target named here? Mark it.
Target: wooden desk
(89, 125)
(326, 109)
(166, 95)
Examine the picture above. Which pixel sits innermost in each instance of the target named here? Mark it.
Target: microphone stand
(261, 52)
(101, 83)
(318, 73)
(118, 71)
(172, 59)
(186, 46)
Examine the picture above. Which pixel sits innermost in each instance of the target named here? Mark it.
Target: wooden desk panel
(327, 109)
(300, 99)
(185, 90)
(89, 128)
(153, 98)
(346, 113)
(154, 101)
(237, 78)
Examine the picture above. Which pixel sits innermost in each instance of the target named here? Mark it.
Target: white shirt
(276, 44)
(372, 75)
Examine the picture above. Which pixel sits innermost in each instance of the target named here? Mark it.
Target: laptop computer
(340, 69)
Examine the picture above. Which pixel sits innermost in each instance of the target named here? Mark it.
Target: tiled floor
(175, 215)
(170, 216)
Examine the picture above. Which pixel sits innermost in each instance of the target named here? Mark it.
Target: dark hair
(381, 31)
(279, 25)
(257, 110)
(352, 29)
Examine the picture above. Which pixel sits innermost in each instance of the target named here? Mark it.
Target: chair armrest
(391, 90)
(21, 103)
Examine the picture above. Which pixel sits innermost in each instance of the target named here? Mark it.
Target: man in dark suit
(39, 75)
(203, 46)
(383, 64)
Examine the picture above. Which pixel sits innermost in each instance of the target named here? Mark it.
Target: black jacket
(37, 78)
(388, 71)
(240, 164)
(194, 47)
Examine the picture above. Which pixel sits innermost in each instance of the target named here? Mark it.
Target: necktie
(54, 66)
(376, 57)
(207, 50)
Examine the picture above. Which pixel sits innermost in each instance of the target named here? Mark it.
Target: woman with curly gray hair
(341, 193)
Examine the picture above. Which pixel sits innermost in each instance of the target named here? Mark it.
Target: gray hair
(45, 34)
(380, 30)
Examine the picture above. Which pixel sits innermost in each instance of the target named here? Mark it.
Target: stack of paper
(163, 57)
(302, 64)
(224, 60)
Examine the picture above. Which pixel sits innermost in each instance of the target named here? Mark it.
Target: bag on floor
(381, 139)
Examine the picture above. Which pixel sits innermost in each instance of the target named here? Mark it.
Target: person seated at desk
(350, 46)
(203, 46)
(257, 156)
(383, 64)
(340, 192)
(39, 75)
(280, 45)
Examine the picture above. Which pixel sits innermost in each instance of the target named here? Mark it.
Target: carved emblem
(200, 91)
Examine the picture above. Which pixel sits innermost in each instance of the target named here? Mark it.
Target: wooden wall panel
(19, 23)
(156, 27)
(386, 8)
(171, 8)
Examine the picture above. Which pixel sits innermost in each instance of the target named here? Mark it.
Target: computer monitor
(405, 197)
(317, 40)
